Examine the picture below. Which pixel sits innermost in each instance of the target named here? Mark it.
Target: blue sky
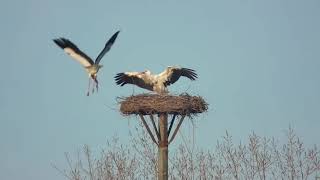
(258, 65)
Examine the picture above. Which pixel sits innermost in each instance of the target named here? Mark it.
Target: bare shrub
(261, 158)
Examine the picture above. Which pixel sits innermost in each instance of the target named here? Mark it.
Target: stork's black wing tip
(190, 73)
(113, 38)
(188, 69)
(60, 42)
(118, 75)
(119, 78)
(116, 33)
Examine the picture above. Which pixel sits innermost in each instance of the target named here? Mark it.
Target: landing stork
(92, 67)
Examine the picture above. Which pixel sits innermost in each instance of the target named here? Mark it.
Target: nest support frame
(157, 138)
(179, 106)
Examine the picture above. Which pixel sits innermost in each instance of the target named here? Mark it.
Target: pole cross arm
(177, 128)
(155, 127)
(171, 123)
(148, 129)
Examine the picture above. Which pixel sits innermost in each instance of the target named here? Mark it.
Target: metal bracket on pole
(148, 129)
(177, 128)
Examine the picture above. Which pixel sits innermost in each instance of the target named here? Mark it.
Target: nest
(148, 104)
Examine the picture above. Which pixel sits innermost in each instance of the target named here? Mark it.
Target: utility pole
(162, 106)
(163, 148)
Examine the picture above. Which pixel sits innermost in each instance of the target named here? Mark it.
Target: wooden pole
(163, 147)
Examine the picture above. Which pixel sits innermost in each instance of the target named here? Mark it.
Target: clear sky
(258, 64)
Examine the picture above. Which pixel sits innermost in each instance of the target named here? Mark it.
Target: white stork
(92, 67)
(155, 82)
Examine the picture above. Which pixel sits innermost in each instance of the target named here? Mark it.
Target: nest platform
(149, 104)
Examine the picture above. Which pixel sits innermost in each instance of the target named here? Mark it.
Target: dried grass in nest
(147, 104)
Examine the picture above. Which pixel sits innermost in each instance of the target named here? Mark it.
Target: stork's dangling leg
(97, 83)
(89, 87)
(92, 88)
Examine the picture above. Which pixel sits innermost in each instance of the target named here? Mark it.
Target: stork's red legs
(95, 83)
(89, 87)
(92, 87)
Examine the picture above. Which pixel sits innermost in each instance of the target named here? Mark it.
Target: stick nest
(148, 104)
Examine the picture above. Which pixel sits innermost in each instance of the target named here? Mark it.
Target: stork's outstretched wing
(136, 78)
(107, 47)
(73, 51)
(172, 74)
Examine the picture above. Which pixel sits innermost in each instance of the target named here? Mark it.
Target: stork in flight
(155, 82)
(92, 67)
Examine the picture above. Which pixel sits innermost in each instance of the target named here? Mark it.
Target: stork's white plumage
(92, 67)
(155, 82)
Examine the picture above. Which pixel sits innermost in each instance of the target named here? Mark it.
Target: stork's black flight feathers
(90, 66)
(72, 50)
(175, 73)
(155, 82)
(107, 47)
